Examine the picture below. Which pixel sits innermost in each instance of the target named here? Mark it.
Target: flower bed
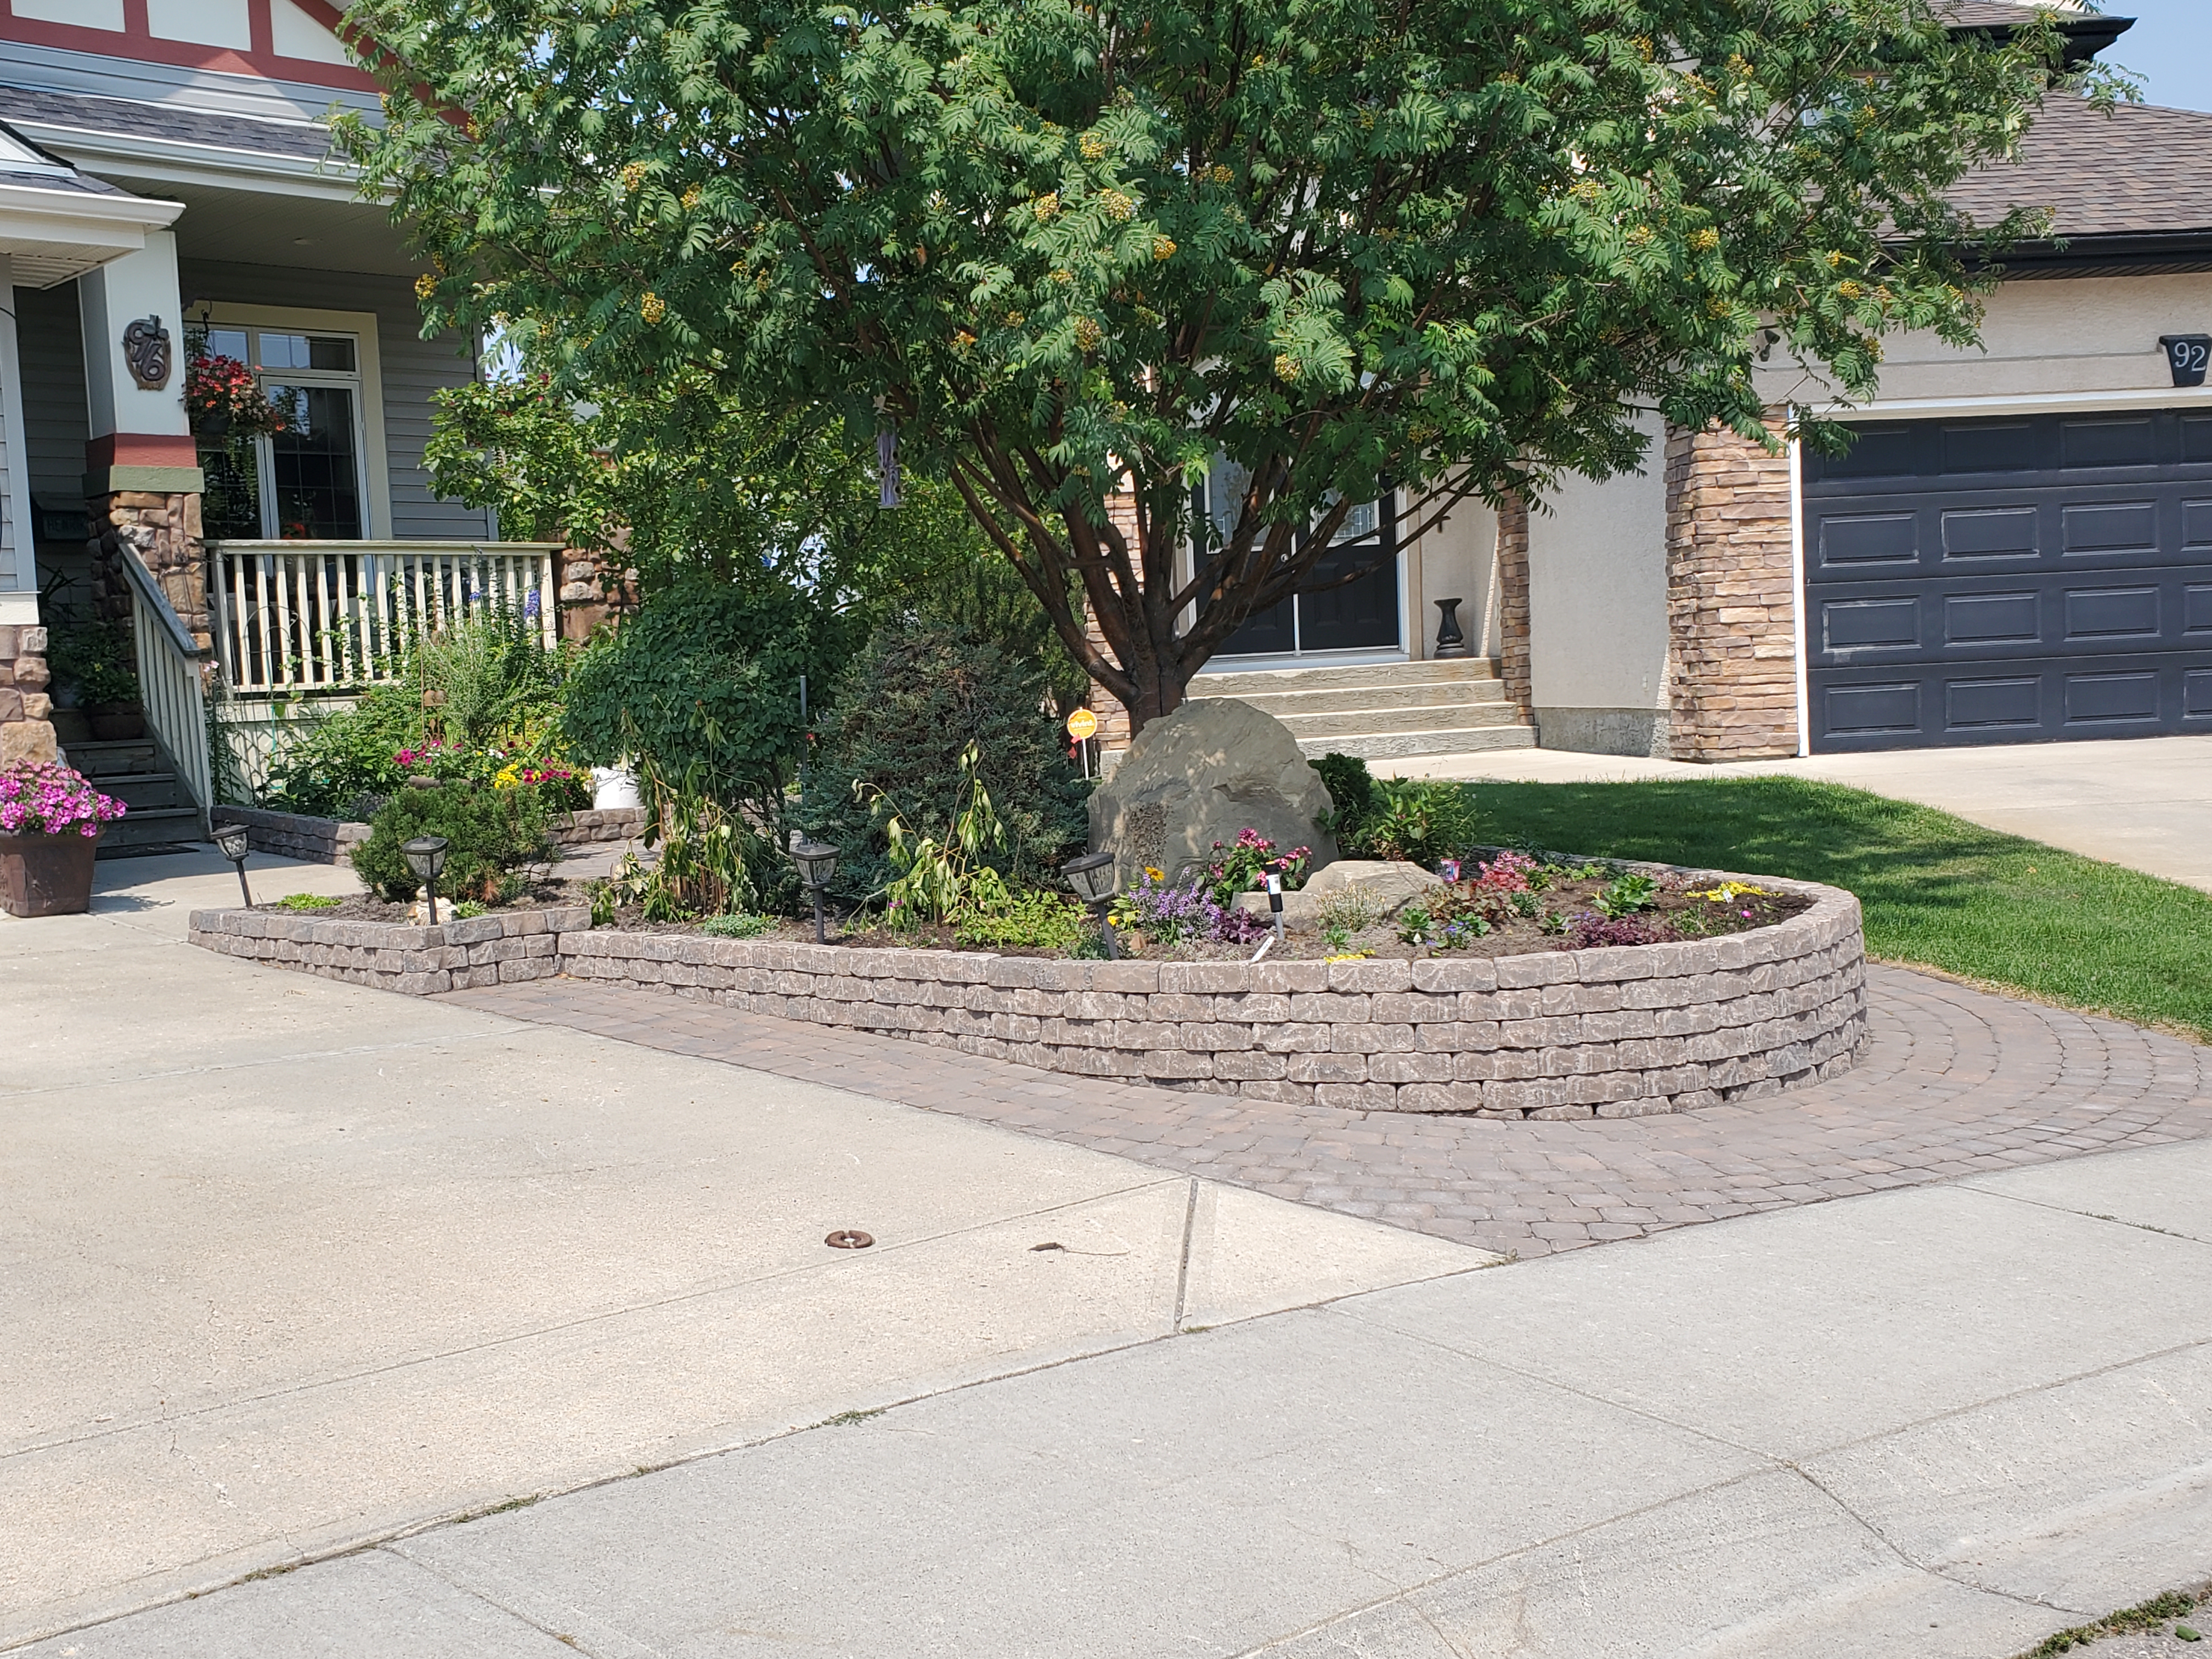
(1619, 1031)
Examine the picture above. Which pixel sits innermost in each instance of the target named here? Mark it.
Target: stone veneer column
(1731, 598)
(27, 731)
(1113, 733)
(1513, 605)
(163, 528)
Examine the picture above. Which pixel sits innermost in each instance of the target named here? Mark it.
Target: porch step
(1380, 711)
(113, 759)
(153, 827)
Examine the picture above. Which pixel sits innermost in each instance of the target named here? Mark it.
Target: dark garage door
(2011, 580)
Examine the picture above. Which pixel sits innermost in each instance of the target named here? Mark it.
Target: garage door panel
(2006, 580)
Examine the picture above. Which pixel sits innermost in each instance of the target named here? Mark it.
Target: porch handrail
(336, 616)
(170, 689)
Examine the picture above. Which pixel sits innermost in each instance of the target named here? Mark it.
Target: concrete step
(104, 759)
(1392, 745)
(154, 826)
(1419, 694)
(1351, 722)
(1243, 683)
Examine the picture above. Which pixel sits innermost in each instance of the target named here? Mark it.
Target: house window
(306, 482)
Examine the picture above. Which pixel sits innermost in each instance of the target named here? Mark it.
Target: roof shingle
(2139, 170)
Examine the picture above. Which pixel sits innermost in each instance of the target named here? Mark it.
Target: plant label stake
(1275, 901)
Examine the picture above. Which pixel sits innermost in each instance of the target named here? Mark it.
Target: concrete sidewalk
(2143, 803)
(1938, 1424)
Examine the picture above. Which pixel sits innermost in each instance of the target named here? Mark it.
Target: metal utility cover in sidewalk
(2011, 580)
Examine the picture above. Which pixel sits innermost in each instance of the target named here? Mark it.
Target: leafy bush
(309, 902)
(702, 682)
(712, 860)
(97, 660)
(912, 702)
(1245, 866)
(488, 833)
(737, 925)
(1420, 820)
(326, 762)
(990, 918)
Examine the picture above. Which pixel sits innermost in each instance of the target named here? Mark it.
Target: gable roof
(2131, 188)
(2086, 33)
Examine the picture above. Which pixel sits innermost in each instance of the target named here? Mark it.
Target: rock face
(1389, 885)
(1210, 769)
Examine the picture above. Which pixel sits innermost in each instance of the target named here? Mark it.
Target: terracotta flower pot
(47, 875)
(117, 722)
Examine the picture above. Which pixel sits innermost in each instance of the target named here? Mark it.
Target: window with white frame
(306, 480)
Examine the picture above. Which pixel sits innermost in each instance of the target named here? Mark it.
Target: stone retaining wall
(328, 841)
(1623, 1032)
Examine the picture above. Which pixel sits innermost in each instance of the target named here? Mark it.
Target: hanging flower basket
(223, 400)
(50, 823)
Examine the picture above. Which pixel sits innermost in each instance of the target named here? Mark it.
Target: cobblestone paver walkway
(1956, 1082)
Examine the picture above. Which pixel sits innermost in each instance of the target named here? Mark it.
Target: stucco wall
(1455, 560)
(2045, 338)
(1597, 603)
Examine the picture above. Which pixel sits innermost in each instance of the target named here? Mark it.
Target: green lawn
(1936, 889)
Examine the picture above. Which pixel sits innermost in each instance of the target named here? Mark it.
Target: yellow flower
(1849, 290)
(690, 197)
(1706, 240)
(652, 309)
(1286, 366)
(633, 175)
(1094, 148)
(425, 286)
(1163, 248)
(1157, 875)
(1119, 208)
(1063, 275)
(1088, 334)
(1048, 205)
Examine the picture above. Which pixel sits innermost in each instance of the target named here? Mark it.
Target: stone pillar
(594, 588)
(26, 730)
(1114, 723)
(1513, 605)
(1731, 598)
(163, 528)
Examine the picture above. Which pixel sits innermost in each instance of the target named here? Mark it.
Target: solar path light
(1092, 875)
(817, 863)
(426, 857)
(231, 841)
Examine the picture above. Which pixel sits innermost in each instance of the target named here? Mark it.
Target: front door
(1328, 614)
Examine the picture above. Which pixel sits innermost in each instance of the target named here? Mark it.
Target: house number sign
(146, 353)
(2187, 356)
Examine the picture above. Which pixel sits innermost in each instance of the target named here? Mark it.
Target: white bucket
(613, 787)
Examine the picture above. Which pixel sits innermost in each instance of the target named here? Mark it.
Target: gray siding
(52, 348)
(413, 368)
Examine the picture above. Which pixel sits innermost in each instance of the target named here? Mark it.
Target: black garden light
(232, 842)
(817, 863)
(1092, 875)
(426, 857)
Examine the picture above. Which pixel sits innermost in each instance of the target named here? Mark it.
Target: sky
(2170, 47)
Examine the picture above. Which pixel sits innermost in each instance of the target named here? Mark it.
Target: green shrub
(326, 762)
(488, 833)
(911, 703)
(703, 682)
(1420, 820)
(309, 902)
(737, 926)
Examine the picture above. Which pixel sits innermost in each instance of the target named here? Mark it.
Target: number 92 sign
(2187, 356)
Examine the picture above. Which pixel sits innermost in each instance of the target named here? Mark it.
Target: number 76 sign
(2187, 356)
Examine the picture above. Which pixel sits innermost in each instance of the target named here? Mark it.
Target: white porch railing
(328, 616)
(169, 664)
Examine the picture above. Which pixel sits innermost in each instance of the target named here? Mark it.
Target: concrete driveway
(292, 1266)
(2146, 803)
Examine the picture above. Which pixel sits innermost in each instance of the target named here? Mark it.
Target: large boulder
(1200, 775)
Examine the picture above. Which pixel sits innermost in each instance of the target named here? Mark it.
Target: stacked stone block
(1624, 1032)
(454, 956)
(1513, 624)
(27, 730)
(1731, 598)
